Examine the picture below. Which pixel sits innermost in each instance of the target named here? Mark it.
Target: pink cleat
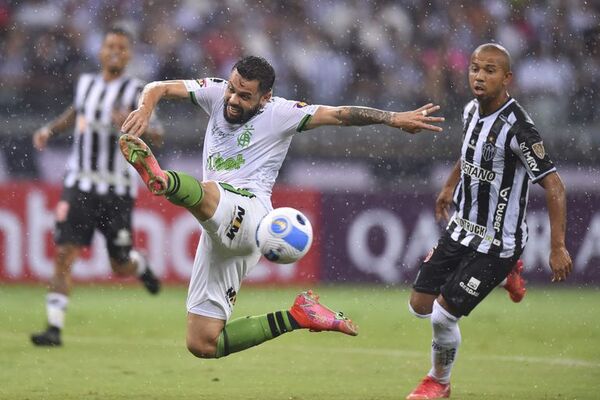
(429, 388)
(515, 284)
(138, 154)
(311, 314)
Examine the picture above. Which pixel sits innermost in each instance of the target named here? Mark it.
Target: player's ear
(507, 78)
(264, 99)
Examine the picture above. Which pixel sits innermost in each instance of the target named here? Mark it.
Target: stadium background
(371, 189)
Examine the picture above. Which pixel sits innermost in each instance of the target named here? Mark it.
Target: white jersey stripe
(95, 163)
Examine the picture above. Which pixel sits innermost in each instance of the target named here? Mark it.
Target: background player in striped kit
(98, 189)
(501, 152)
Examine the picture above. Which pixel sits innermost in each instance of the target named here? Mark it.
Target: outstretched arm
(136, 122)
(409, 121)
(64, 120)
(560, 260)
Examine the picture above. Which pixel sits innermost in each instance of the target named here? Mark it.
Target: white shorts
(226, 253)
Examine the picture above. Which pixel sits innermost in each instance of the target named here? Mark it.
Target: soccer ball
(284, 235)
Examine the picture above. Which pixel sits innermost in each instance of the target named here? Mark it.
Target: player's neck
(493, 105)
(110, 75)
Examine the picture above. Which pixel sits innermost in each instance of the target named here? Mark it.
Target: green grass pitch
(123, 344)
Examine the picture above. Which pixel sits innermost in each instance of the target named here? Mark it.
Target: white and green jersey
(249, 155)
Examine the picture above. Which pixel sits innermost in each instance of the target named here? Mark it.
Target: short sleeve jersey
(249, 155)
(501, 154)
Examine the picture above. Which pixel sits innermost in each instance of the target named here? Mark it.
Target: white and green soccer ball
(284, 235)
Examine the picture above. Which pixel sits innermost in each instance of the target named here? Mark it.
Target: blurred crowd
(392, 54)
(384, 53)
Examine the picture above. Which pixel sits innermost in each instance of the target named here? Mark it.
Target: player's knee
(202, 348)
(418, 310)
(120, 261)
(420, 304)
(65, 254)
(120, 270)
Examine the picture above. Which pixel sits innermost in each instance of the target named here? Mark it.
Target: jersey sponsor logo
(244, 138)
(501, 208)
(477, 172)
(231, 295)
(471, 286)
(201, 82)
(300, 104)
(472, 227)
(531, 161)
(488, 151)
(217, 163)
(473, 283)
(538, 149)
(236, 222)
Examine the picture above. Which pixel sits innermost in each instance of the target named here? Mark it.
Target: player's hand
(442, 204)
(40, 138)
(417, 120)
(560, 263)
(136, 122)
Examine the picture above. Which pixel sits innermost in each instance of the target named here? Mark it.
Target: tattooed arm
(409, 121)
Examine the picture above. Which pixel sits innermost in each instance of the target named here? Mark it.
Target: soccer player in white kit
(246, 141)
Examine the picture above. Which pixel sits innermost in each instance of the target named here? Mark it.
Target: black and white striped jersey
(500, 154)
(96, 163)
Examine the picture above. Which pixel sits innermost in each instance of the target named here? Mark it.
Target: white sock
(139, 260)
(446, 339)
(416, 314)
(56, 308)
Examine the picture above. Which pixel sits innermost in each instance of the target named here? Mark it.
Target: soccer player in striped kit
(99, 189)
(501, 153)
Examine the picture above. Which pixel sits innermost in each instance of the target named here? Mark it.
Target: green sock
(183, 190)
(246, 332)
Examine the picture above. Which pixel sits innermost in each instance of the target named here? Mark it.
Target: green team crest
(244, 138)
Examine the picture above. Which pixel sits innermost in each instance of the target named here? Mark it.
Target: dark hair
(499, 49)
(256, 68)
(116, 30)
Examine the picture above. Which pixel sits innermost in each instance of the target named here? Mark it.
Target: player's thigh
(74, 217)
(216, 278)
(234, 222)
(438, 267)
(207, 207)
(113, 220)
(478, 274)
